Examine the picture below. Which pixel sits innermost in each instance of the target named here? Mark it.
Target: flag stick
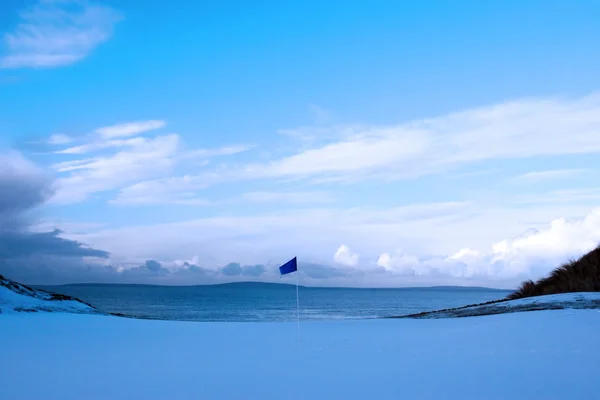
(297, 306)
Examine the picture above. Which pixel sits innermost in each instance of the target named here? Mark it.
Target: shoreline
(562, 301)
(33, 300)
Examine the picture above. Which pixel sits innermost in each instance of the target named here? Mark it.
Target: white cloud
(466, 256)
(346, 257)
(130, 128)
(356, 153)
(95, 146)
(58, 33)
(289, 197)
(461, 239)
(110, 136)
(179, 190)
(159, 192)
(544, 249)
(223, 151)
(537, 176)
(252, 239)
(146, 158)
(561, 239)
(346, 157)
(532, 254)
(518, 129)
(310, 234)
(400, 263)
(580, 195)
(182, 190)
(139, 161)
(67, 166)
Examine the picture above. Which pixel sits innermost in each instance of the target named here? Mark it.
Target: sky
(383, 143)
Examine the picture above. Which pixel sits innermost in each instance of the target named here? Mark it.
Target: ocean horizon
(262, 302)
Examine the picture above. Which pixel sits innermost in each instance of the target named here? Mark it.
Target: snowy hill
(582, 300)
(15, 297)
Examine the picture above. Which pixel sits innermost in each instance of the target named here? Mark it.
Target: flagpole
(297, 306)
(288, 268)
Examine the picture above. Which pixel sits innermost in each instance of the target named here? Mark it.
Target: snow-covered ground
(15, 297)
(67, 353)
(573, 301)
(535, 355)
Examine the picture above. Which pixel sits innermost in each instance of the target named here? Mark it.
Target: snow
(67, 353)
(15, 297)
(535, 355)
(580, 300)
(557, 298)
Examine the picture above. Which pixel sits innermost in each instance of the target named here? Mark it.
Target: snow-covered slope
(15, 297)
(583, 300)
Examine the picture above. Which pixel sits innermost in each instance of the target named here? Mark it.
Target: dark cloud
(153, 266)
(38, 257)
(23, 184)
(151, 269)
(194, 268)
(253, 270)
(235, 269)
(232, 269)
(53, 270)
(23, 187)
(15, 244)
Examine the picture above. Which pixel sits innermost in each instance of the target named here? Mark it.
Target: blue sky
(384, 143)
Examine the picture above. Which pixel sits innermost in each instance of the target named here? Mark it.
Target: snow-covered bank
(15, 297)
(564, 301)
(541, 355)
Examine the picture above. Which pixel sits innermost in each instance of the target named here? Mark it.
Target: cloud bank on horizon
(133, 171)
(476, 195)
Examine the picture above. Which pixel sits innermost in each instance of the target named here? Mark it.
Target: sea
(270, 302)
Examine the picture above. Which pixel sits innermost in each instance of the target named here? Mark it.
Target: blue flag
(289, 267)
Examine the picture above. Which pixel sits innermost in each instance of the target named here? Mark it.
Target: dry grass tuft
(582, 275)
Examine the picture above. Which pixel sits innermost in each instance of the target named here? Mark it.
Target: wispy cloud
(128, 163)
(167, 190)
(355, 153)
(223, 151)
(537, 176)
(102, 144)
(144, 159)
(130, 128)
(289, 197)
(59, 138)
(579, 195)
(57, 33)
(518, 129)
(179, 199)
(109, 136)
(66, 166)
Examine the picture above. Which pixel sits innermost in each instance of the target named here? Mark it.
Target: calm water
(270, 302)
